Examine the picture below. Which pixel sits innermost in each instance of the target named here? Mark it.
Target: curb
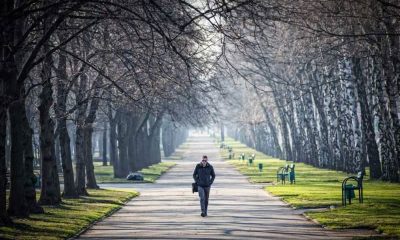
(102, 218)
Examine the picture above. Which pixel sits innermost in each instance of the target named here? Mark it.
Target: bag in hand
(194, 187)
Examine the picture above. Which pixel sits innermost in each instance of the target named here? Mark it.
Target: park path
(237, 209)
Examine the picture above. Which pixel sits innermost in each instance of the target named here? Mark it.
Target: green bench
(286, 173)
(348, 188)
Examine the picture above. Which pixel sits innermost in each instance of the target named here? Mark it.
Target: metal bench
(348, 189)
(282, 174)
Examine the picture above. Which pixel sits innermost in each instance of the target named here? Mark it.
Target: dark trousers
(204, 193)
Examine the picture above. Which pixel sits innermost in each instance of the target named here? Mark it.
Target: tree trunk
(285, 138)
(90, 176)
(17, 204)
(319, 104)
(50, 189)
(4, 219)
(30, 178)
(113, 144)
(366, 124)
(123, 168)
(296, 146)
(222, 132)
(91, 117)
(14, 92)
(7, 75)
(104, 148)
(140, 149)
(310, 129)
(123, 165)
(155, 142)
(392, 72)
(80, 161)
(167, 138)
(80, 140)
(8, 143)
(273, 131)
(66, 158)
(132, 152)
(58, 153)
(64, 139)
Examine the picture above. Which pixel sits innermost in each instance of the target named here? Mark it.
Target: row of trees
(325, 77)
(68, 65)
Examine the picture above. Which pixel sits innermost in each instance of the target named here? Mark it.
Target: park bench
(282, 174)
(348, 189)
(285, 173)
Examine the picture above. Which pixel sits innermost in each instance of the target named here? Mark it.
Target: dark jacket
(204, 176)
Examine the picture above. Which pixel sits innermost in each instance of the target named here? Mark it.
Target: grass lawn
(105, 174)
(68, 219)
(317, 187)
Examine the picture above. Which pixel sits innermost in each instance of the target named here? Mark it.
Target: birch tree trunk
(302, 138)
(392, 73)
(335, 131)
(326, 152)
(386, 138)
(310, 129)
(366, 124)
(296, 146)
(285, 138)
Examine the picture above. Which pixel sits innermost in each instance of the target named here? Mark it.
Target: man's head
(204, 161)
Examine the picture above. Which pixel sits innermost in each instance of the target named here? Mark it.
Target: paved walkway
(237, 209)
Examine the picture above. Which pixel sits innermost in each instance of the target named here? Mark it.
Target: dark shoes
(203, 214)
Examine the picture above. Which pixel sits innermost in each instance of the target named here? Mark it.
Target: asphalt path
(238, 209)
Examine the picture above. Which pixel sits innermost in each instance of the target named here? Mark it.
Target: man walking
(204, 176)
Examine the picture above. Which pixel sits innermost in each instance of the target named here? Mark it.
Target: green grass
(69, 218)
(317, 188)
(105, 174)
